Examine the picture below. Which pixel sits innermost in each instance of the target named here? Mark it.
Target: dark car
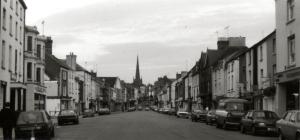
(131, 109)
(259, 121)
(67, 116)
(104, 111)
(289, 126)
(172, 111)
(211, 117)
(37, 123)
(230, 112)
(147, 109)
(88, 113)
(198, 115)
(139, 108)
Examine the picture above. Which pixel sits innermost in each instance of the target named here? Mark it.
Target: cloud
(169, 35)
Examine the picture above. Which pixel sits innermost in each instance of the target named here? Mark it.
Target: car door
(248, 120)
(284, 124)
(292, 126)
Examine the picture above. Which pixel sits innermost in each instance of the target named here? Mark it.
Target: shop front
(287, 91)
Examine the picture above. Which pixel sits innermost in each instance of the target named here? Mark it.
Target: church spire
(137, 81)
(137, 72)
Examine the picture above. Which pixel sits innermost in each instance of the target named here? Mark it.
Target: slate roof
(109, 81)
(57, 61)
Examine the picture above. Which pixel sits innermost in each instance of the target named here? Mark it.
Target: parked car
(160, 110)
(38, 123)
(288, 127)
(259, 121)
(182, 113)
(211, 117)
(172, 111)
(67, 116)
(130, 109)
(140, 108)
(147, 108)
(230, 112)
(198, 115)
(88, 113)
(104, 111)
(166, 110)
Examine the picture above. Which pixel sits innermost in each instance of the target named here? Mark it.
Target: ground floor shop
(287, 91)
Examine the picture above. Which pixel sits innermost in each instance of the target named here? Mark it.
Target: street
(146, 126)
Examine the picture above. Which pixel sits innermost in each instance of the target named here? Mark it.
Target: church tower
(137, 81)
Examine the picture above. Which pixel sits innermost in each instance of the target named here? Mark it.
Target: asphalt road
(142, 125)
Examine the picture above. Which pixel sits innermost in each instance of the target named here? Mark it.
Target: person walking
(7, 118)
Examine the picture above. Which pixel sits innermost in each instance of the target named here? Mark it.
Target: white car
(183, 114)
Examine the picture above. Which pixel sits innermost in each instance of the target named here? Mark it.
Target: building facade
(12, 87)
(34, 69)
(288, 60)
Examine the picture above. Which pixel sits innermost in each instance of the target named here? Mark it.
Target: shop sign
(40, 89)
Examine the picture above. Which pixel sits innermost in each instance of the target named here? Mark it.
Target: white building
(34, 66)
(288, 52)
(12, 88)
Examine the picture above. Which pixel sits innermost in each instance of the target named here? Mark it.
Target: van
(230, 112)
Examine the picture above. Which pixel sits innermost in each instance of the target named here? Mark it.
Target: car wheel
(253, 130)
(242, 129)
(298, 137)
(281, 137)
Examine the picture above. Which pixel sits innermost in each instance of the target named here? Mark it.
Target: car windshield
(30, 118)
(67, 112)
(235, 106)
(265, 115)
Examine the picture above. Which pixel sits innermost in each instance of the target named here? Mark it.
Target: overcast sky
(168, 35)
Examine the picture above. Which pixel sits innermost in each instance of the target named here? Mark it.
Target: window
(16, 30)
(29, 71)
(10, 25)
(232, 67)
(64, 75)
(11, 4)
(274, 69)
(38, 74)
(4, 19)
(261, 73)
(38, 51)
(261, 52)
(290, 8)
(291, 50)
(274, 46)
(10, 58)
(20, 34)
(21, 13)
(249, 54)
(3, 55)
(16, 61)
(17, 8)
(29, 43)
(232, 82)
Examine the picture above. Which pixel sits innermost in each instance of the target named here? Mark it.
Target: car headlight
(261, 124)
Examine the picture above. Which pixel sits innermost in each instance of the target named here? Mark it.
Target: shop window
(291, 50)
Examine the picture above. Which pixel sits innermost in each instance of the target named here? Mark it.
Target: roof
(23, 4)
(31, 29)
(80, 68)
(109, 81)
(58, 61)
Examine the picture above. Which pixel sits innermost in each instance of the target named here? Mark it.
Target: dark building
(226, 47)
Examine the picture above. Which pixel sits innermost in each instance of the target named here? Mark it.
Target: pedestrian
(8, 121)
